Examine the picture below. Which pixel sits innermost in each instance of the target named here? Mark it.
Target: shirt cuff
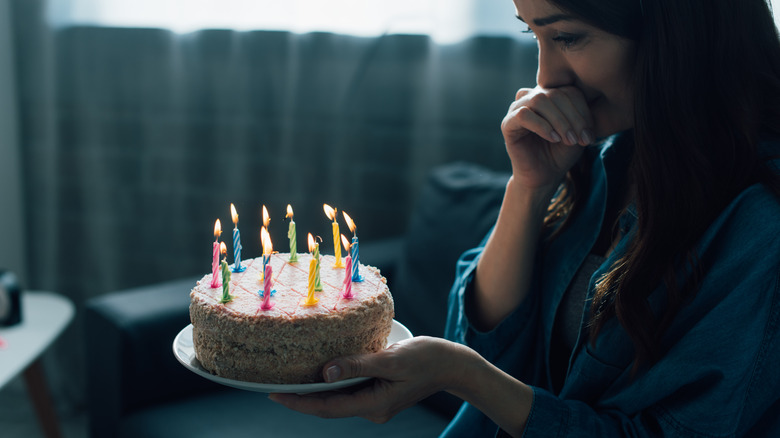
(549, 416)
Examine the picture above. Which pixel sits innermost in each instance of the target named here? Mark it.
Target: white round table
(45, 315)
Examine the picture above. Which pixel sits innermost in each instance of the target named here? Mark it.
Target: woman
(630, 286)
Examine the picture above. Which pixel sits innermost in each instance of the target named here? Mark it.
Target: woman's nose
(553, 71)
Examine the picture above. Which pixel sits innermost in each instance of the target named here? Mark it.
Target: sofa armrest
(384, 254)
(129, 351)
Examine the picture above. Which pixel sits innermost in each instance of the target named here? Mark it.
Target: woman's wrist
(504, 399)
(535, 199)
(502, 278)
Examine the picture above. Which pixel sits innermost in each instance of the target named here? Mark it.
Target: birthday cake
(286, 338)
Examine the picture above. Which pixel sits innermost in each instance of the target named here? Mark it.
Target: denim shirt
(720, 372)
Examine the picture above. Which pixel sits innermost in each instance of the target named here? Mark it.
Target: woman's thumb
(346, 368)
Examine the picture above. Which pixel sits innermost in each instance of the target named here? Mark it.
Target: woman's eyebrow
(549, 20)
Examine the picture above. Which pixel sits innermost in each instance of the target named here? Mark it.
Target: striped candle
(267, 289)
(348, 280)
(330, 212)
(236, 242)
(355, 251)
(292, 235)
(310, 300)
(215, 256)
(225, 274)
(317, 279)
(355, 260)
(225, 283)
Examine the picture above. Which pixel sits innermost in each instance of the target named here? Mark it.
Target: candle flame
(330, 212)
(349, 221)
(311, 243)
(217, 229)
(222, 248)
(233, 213)
(265, 238)
(266, 218)
(345, 242)
(289, 211)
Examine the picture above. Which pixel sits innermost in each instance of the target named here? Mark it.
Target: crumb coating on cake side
(291, 342)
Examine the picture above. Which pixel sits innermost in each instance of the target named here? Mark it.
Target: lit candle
(266, 217)
(215, 255)
(292, 235)
(355, 249)
(267, 289)
(347, 294)
(316, 255)
(236, 241)
(331, 213)
(310, 300)
(265, 239)
(268, 249)
(225, 275)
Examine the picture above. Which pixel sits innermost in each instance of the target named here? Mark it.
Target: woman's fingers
(404, 373)
(362, 365)
(329, 404)
(557, 115)
(523, 119)
(558, 108)
(582, 120)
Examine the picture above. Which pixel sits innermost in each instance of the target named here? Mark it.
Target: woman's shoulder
(759, 204)
(749, 225)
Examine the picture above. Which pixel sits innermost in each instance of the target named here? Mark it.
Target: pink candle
(348, 271)
(348, 280)
(267, 286)
(215, 257)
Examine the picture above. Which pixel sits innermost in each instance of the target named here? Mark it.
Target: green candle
(317, 281)
(225, 283)
(314, 249)
(292, 235)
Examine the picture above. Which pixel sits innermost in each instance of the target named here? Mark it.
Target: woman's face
(574, 53)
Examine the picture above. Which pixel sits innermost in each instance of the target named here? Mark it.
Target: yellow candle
(310, 300)
(331, 213)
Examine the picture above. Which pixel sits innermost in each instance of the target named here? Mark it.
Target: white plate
(185, 353)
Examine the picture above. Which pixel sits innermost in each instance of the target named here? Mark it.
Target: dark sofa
(136, 388)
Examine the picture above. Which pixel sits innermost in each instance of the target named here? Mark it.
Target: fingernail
(587, 137)
(556, 138)
(572, 138)
(332, 373)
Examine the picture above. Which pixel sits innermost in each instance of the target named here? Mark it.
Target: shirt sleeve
(717, 375)
(514, 344)
(719, 379)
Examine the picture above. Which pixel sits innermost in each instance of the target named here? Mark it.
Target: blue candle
(236, 242)
(355, 260)
(355, 251)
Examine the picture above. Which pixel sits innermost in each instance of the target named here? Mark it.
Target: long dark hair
(707, 86)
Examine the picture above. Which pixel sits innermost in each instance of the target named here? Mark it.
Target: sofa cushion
(457, 207)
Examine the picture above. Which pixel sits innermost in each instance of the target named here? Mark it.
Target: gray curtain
(12, 248)
(135, 140)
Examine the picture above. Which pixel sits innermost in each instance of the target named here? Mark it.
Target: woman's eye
(528, 30)
(567, 40)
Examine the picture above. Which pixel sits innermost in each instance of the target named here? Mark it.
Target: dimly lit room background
(128, 127)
